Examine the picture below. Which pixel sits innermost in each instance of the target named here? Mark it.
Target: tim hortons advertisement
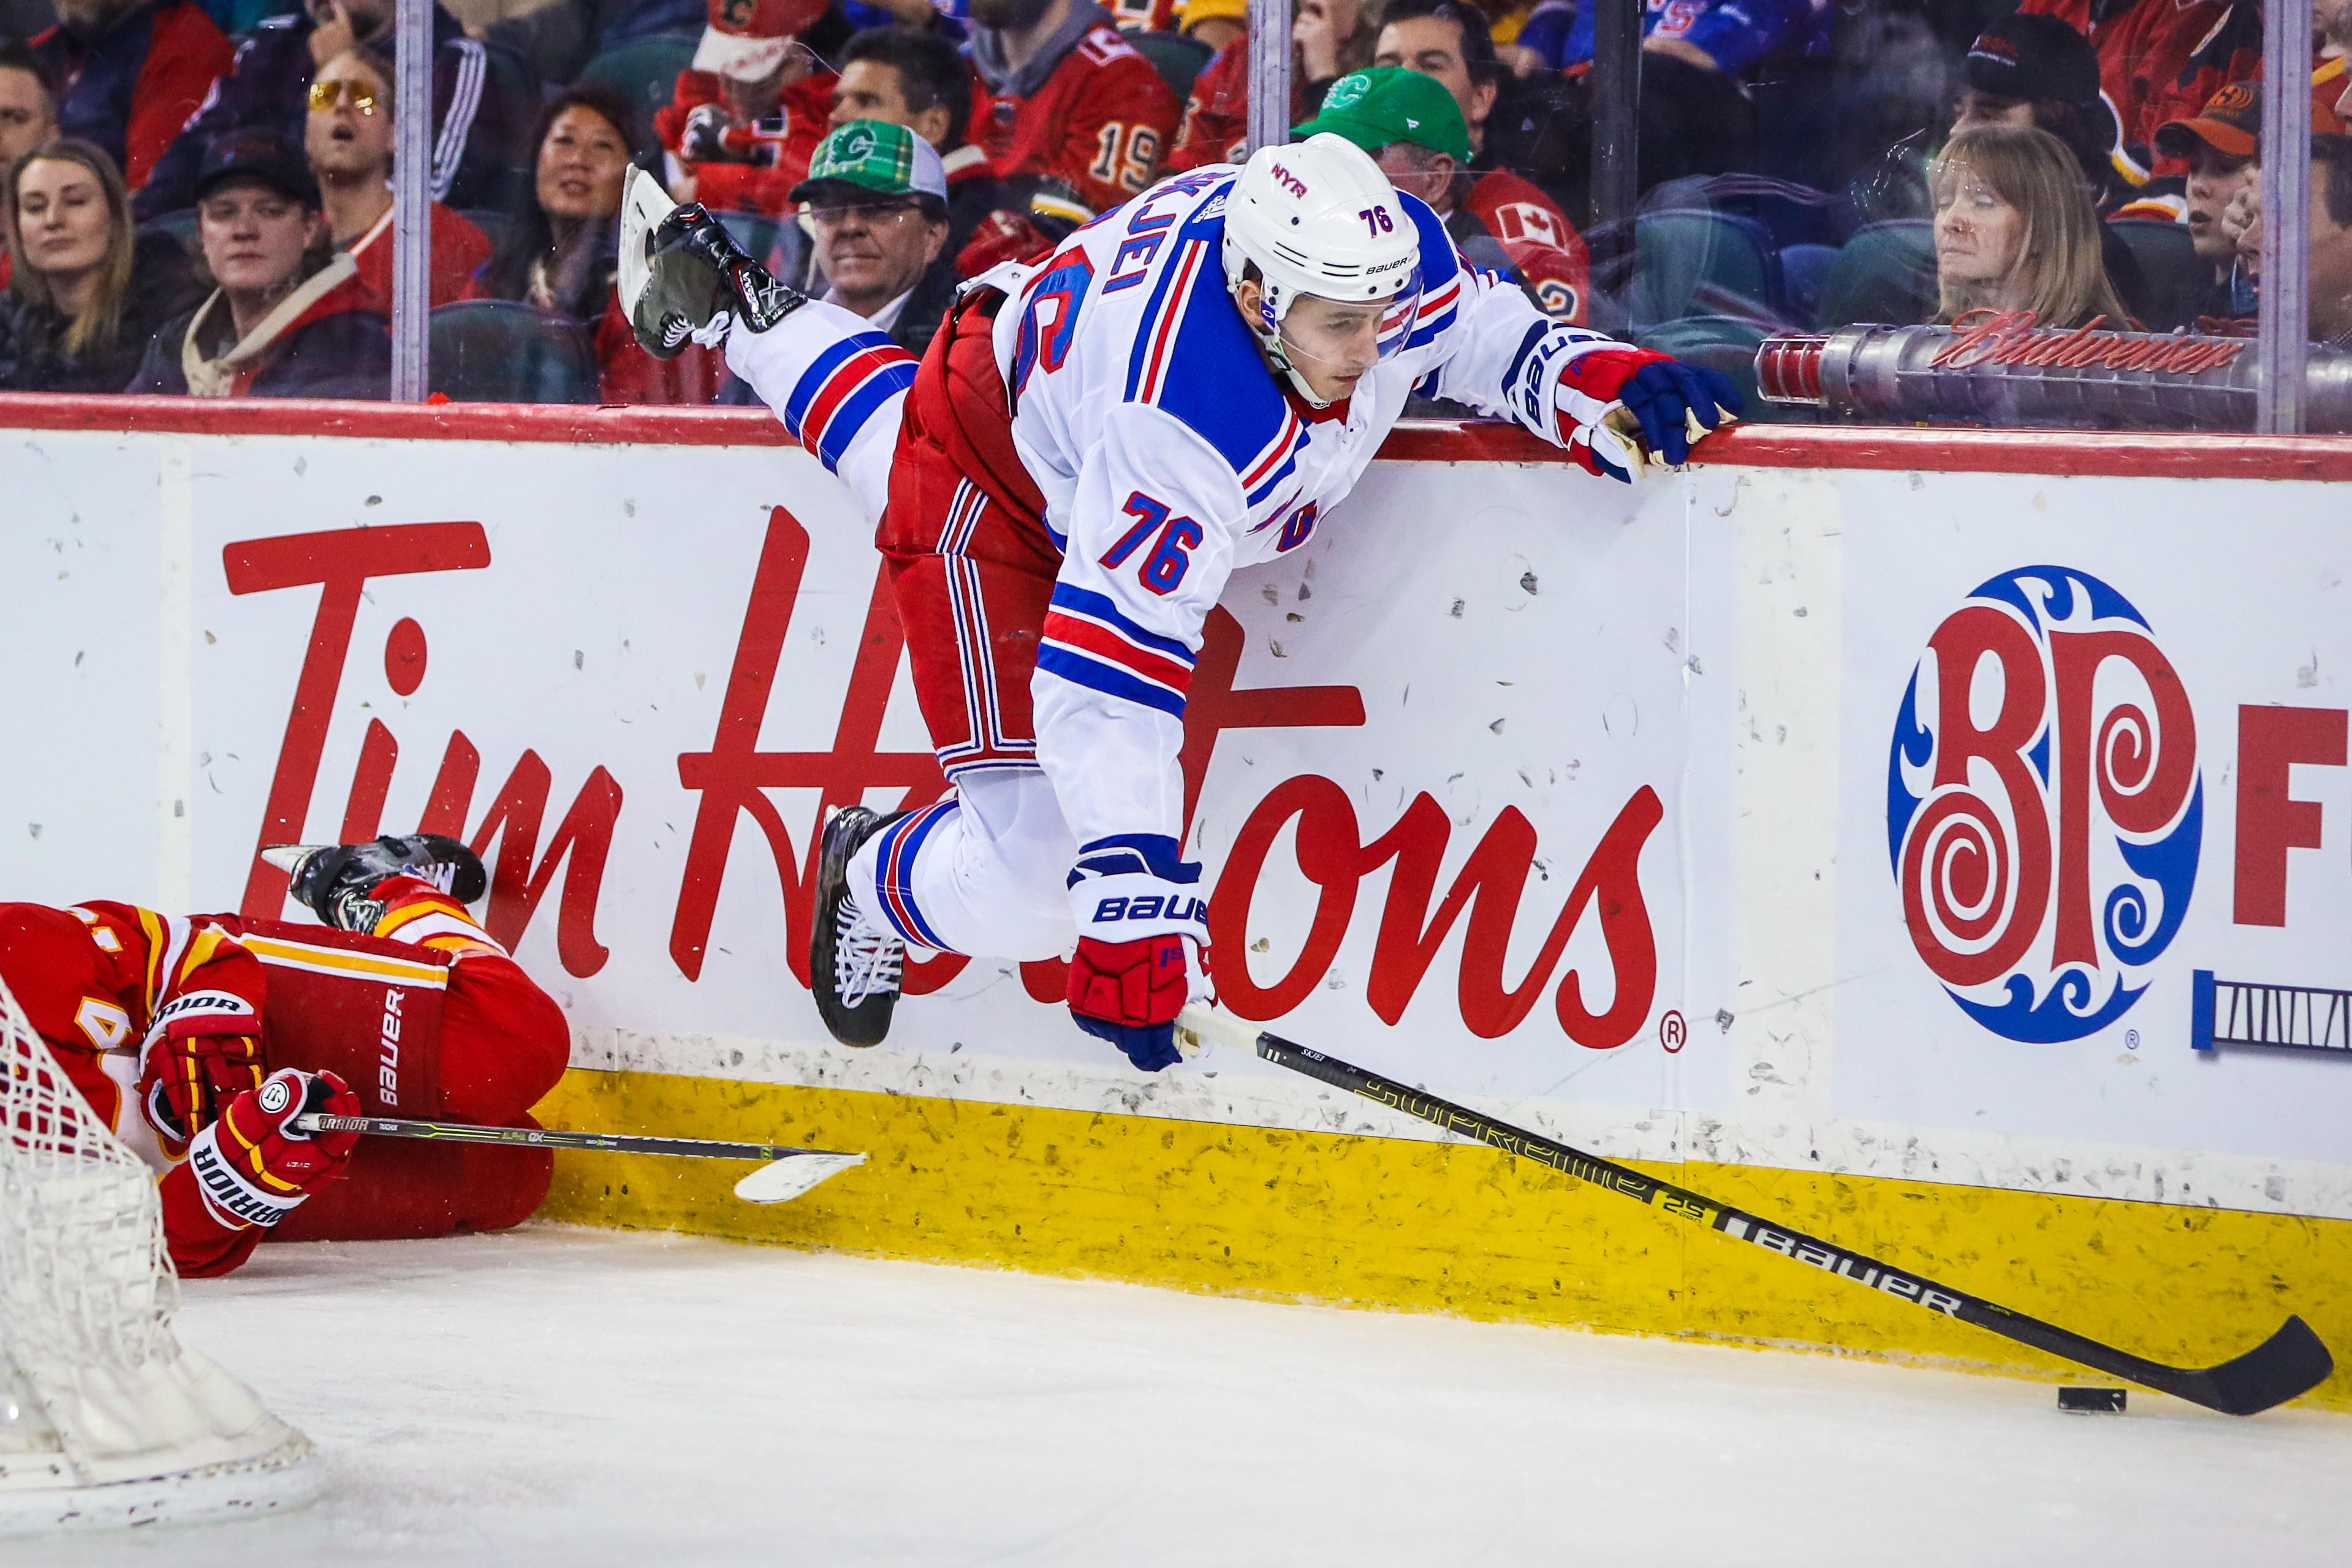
(2096, 821)
(1433, 757)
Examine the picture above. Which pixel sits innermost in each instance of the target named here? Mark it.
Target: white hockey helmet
(1319, 217)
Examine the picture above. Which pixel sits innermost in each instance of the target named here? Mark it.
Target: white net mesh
(105, 1418)
(84, 1277)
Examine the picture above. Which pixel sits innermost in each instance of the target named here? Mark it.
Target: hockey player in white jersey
(1091, 445)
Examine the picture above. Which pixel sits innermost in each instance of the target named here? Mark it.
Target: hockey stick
(791, 1172)
(2291, 1361)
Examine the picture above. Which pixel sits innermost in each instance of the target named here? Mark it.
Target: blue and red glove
(1662, 396)
(1143, 940)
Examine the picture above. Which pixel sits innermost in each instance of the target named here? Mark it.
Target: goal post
(106, 1420)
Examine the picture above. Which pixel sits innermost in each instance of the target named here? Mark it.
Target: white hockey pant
(984, 871)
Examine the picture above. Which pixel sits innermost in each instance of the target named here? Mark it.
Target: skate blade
(286, 857)
(794, 1174)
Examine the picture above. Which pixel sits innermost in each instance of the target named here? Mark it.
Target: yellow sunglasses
(325, 95)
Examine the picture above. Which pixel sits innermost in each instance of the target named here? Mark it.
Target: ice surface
(570, 1396)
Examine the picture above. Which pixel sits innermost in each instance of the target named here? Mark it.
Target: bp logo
(2044, 808)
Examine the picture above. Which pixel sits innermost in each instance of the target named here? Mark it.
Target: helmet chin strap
(1269, 345)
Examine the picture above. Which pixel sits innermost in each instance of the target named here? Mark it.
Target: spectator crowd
(199, 194)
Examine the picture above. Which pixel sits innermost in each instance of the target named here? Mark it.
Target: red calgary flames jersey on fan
(1544, 247)
(782, 143)
(2158, 58)
(1102, 122)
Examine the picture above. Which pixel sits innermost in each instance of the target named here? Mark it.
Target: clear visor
(1343, 339)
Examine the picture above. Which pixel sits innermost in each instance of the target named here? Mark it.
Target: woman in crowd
(285, 320)
(2015, 230)
(562, 249)
(86, 291)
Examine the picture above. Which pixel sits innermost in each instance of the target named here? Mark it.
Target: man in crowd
(28, 114)
(2330, 279)
(1414, 129)
(2220, 148)
(1069, 107)
(747, 114)
(2027, 69)
(1513, 124)
(129, 73)
(878, 206)
(1450, 44)
(275, 325)
(2328, 283)
(918, 79)
(348, 138)
(479, 120)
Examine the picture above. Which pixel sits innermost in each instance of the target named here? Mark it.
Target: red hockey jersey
(102, 984)
(1542, 245)
(2161, 60)
(1102, 122)
(783, 143)
(1216, 116)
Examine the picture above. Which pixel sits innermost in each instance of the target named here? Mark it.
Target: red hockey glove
(1143, 933)
(187, 1078)
(252, 1168)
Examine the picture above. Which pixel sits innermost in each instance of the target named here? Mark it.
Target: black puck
(2092, 1401)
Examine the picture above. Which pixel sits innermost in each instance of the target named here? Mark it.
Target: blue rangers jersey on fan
(1168, 454)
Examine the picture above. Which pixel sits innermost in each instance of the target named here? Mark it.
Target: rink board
(1651, 820)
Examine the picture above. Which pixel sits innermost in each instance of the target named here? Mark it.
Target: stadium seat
(644, 71)
(1804, 274)
(1886, 273)
(2174, 281)
(1696, 263)
(1177, 57)
(500, 350)
(496, 223)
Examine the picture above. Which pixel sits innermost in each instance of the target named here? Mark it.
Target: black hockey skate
(336, 882)
(680, 269)
(853, 966)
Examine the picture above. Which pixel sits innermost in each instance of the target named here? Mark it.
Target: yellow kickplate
(1460, 1228)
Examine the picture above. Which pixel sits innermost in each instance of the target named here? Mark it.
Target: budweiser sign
(1997, 368)
(1989, 336)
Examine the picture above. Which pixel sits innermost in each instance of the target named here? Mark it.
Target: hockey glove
(1666, 396)
(1143, 938)
(187, 1078)
(252, 1168)
(683, 277)
(1616, 406)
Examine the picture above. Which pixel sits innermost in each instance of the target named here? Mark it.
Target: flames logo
(2044, 807)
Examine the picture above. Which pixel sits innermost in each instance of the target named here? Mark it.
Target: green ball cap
(877, 156)
(1389, 103)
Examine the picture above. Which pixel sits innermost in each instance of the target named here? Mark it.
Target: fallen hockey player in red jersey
(1090, 447)
(201, 1038)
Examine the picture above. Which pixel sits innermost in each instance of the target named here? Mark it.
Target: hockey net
(105, 1418)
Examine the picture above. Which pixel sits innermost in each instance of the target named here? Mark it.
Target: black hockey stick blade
(2290, 1362)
